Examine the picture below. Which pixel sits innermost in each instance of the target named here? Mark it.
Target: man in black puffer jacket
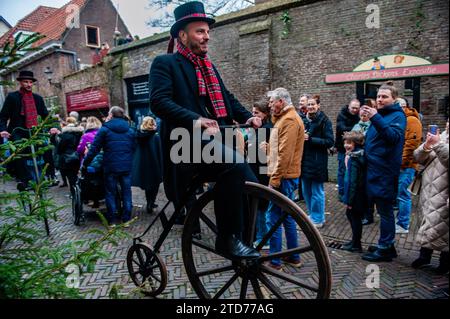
(346, 119)
(117, 140)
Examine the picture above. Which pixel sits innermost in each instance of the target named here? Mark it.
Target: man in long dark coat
(186, 90)
(20, 111)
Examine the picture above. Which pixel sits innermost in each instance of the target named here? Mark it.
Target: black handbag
(416, 184)
(71, 158)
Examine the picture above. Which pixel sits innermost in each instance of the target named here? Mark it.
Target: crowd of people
(127, 157)
(380, 155)
(378, 144)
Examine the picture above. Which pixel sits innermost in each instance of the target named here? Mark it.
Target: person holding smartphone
(433, 202)
(383, 148)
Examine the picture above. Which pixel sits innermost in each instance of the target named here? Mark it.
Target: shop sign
(88, 99)
(388, 74)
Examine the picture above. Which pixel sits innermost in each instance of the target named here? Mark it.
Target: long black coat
(315, 151)
(11, 110)
(147, 160)
(175, 100)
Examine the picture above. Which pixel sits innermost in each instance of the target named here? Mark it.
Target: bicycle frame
(168, 223)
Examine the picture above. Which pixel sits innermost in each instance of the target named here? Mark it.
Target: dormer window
(92, 36)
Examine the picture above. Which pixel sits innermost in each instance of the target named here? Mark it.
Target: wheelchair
(89, 186)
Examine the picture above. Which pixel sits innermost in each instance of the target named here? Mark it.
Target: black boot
(353, 248)
(233, 247)
(381, 254)
(442, 269)
(348, 245)
(424, 258)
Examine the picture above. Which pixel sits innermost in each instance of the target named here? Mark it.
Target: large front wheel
(212, 275)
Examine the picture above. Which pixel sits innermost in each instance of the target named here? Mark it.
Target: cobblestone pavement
(397, 279)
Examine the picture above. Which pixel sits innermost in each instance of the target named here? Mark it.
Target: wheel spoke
(141, 259)
(205, 246)
(286, 253)
(227, 285)
(270, 285)
(244, 286)
(272, 231)
(257, 288)
(208, 222)
(136, 262)
(153, 267)
(287, 277)
(154, 277)
(215, 270)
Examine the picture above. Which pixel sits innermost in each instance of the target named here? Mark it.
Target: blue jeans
(287, 187)
(314, 195)
(341, 174)
(111, 182)
(387, 222)
(404, 197)
(261, 225)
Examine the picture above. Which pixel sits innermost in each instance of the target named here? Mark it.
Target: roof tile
(48, 21)
(29, 22)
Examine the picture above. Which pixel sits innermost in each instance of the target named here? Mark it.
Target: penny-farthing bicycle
(213, 275)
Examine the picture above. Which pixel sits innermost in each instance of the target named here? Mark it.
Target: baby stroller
(89, 186)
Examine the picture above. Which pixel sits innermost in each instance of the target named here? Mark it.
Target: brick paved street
(397, 280)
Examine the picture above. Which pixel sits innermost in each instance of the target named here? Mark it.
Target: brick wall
(325, 37)
(99, 13)
(90, 77)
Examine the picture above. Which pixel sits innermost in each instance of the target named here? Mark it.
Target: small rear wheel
(146, 269)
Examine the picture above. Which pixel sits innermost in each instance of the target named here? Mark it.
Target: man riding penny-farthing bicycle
(187, 93)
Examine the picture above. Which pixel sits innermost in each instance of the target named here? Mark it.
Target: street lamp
(49, 73)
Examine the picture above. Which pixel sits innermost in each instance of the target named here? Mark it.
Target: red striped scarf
(28, 108)
(207, 79)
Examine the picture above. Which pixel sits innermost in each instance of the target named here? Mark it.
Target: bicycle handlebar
(235, 126)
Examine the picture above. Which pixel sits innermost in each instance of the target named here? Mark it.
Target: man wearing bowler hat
(21, 110)
(186, 91)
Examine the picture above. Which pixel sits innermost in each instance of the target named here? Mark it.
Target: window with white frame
(92, 36)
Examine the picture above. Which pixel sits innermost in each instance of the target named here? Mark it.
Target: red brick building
(74, 37)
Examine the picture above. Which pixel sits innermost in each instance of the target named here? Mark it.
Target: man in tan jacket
(285, 154)
(413, 138)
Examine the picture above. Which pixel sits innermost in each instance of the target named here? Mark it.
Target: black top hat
(26, 75)
(189, 12)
